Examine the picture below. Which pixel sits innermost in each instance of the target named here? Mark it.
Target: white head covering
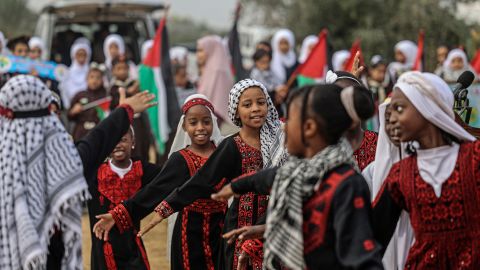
(304, 51)
(409, 50)
(182, 139)
(339, 58)
(454, 54)
(76, 79)
(112, 39)
(282, 61)
(146, 46)
(36, 42)
(83, 40)
(179, 53)
(432, 97)
(3, 44)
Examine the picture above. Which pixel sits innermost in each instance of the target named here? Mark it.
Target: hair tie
(196, 101)
(347, 100)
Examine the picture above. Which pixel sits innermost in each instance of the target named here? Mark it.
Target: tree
(379, 23)
(16, 18)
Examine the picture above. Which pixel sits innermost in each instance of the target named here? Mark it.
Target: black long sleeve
(224, 163)
(386, 213)
(101, 141)
(173, 174)
(260, 182)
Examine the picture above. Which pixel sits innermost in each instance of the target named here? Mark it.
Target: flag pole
(96, 103)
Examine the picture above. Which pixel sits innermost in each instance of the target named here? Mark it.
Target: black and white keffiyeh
(294, 183)
(271, 134)
(41, 181)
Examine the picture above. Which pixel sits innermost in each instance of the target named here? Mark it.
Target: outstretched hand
(245, 233)
(139, 102)
(224, 194)
(103, 226)
(356, 69)
(153, 222)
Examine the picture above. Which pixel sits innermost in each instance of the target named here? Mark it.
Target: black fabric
(260, 183)
(29, 114)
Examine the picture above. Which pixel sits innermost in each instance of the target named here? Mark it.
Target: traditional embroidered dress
(366, 153)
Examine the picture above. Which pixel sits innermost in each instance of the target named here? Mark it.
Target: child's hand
(153, 222)
(245, 233)
(139, 102)
(356, 69)
(243, 261)
(76, 109)
(224, 194)
(103, 226)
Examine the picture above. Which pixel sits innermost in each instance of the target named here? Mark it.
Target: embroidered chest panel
(117, 189)
(366, 153)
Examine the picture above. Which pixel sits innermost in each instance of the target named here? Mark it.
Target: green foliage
(186, 31)
(378, 23)
(16, 18)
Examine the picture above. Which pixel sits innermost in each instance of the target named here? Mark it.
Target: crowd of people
(369, 169)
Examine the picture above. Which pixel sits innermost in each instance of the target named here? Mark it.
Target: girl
(36, 47)
(198, 227)
(179, 55)
(76, 79)
(85, 120)
(113, 47)
(308, 43)
(215, 74)
(405, 53)
(257, 145)
(284, 61)
(339, 60)
(438, 184)
(319, 211)
(455, 64)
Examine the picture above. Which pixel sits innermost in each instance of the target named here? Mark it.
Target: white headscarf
(339, 58)
(282, 61)
(41, 180)
(182, 139)
(409, 50)
(146, 46)
(432, 97)
(83, 40)
(112, 39)
(304, 51)
(450, 75)
(36, 42)
(76, 79)
(179, 53)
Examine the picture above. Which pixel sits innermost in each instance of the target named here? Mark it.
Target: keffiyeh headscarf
(292, 186)
(41, 179)
(271, 135)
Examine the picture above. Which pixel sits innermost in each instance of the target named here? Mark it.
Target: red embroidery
(358, 202)
(164, 209)
(129, 110)
(116, 189)
(186, 262)
(142, 251)
(109, 258)
(317, 209)
(368, 245)
(366, 153)
(206, 242)
(447, 229)
(121, 217)
(251, 162)
(197, 101)
(254, 249)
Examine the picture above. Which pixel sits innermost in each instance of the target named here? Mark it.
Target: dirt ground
(155, 243)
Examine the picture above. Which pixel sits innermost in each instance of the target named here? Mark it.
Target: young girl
(284, 61)
(113, 47)
(319, 211)
(405, 53)
(36, 47)
(257, 145)
(339, 59)
(76, 79)
(196, 235)
(455, 64)
(438, 184)
(307, 45)
(215, 74)
(85, 120)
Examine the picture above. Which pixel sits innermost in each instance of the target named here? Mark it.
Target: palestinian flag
(475, 63)
(315, 67)
(101, 106)
(155, 76)
(238, 70)
(353, 51)
(418, 64)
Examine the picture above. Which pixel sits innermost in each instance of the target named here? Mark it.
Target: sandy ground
(155, 243)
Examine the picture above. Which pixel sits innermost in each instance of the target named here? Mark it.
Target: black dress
(196, 239)
(232, 158)
(337, 219)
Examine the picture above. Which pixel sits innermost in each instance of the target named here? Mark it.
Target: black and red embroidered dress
(232, 158)
(447, 229)
(366, 153)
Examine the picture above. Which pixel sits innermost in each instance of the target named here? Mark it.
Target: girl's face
(252, 108)
(284, 46)
(201, 56)
(457, 63)
(293, 127)
(94, 80)
(113, 50)
(81, 57)
(407, 124)
(263, 63)
(21, 49)
(392, 134)
(378, 73)
(198, 124)
(121, 71)
(35, 53)
(400, 57)
(123, 151)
